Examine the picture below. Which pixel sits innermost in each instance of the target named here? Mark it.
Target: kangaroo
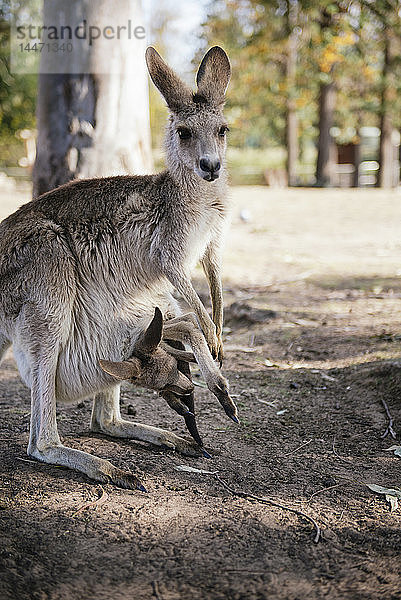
(83, 267)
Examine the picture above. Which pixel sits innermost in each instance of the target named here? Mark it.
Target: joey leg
(188, 399)
(186, 330)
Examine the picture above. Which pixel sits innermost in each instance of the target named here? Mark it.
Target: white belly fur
(106, 331)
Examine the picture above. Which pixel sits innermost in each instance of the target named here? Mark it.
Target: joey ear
(153, 334)
(176, 93)
(127, 369)
(214, 75)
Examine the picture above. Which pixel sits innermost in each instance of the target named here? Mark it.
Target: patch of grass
(246, 166)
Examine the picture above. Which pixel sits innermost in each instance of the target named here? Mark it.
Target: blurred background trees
(314, 84)
(306, 72)
(17, 102)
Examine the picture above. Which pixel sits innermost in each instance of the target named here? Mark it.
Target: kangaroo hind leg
(45, 444)
(42, 336)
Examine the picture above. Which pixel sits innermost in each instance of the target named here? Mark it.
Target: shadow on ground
(309, 378)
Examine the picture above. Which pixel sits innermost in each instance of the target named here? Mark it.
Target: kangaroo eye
(222, 131)
(184, 133)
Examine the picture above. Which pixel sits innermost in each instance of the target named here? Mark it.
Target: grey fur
(83, 267)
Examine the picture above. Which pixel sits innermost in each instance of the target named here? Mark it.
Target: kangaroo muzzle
(210, 168)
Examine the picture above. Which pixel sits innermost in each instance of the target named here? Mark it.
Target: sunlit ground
(330, 235)
(312, 340)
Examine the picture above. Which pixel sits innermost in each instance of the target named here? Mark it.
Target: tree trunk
(387, 176)
(326, 158)
(292, 120)
(93, 114)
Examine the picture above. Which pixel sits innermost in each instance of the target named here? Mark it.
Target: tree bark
(387, 176)
(92, 116)
(326, 158)
(292, 120)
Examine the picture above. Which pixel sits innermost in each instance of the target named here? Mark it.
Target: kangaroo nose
(211, 167)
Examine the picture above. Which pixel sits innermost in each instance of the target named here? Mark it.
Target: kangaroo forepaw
(220, 390)
(190, 422)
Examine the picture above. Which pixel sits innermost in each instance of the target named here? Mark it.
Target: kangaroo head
(150, 365)
(196, 133)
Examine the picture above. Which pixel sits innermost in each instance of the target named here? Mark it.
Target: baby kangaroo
(83, 267)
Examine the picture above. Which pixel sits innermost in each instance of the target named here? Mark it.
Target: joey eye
(222, 131)
(184, 133)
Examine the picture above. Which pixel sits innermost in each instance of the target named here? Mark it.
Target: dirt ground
(313, 347)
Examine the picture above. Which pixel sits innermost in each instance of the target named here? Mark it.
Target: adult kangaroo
(83, 267)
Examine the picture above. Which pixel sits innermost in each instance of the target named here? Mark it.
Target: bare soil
(313, 347)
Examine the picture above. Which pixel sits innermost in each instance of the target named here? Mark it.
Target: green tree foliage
(256, 104)
(17, 97)
(341, 42)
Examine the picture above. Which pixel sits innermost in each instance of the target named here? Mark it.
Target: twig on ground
(299, 447)
(326, 489)
(98, 502)
(389, 430)
(245, 571)
(346, 460)
(34, 462)
(271, 503)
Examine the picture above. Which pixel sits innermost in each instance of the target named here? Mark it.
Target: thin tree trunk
(93, 117)
(387, 177)
(326, 159)
(292, 120)
(357, 164)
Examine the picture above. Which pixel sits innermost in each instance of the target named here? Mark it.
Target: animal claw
(206, 454)
(192, 428)
(234, 418)
(141, 488)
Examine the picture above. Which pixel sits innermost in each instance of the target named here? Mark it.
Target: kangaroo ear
(153, 335)
(174, 91)
(127, 369)
(214, 75)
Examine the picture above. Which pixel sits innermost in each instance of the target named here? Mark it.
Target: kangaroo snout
(210, 168)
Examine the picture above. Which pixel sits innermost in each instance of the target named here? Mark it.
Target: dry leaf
(193, 470)
(327, 377)
(393, 501)
(267, 403)
(392, 495)
(247, 349)
(396, 449)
